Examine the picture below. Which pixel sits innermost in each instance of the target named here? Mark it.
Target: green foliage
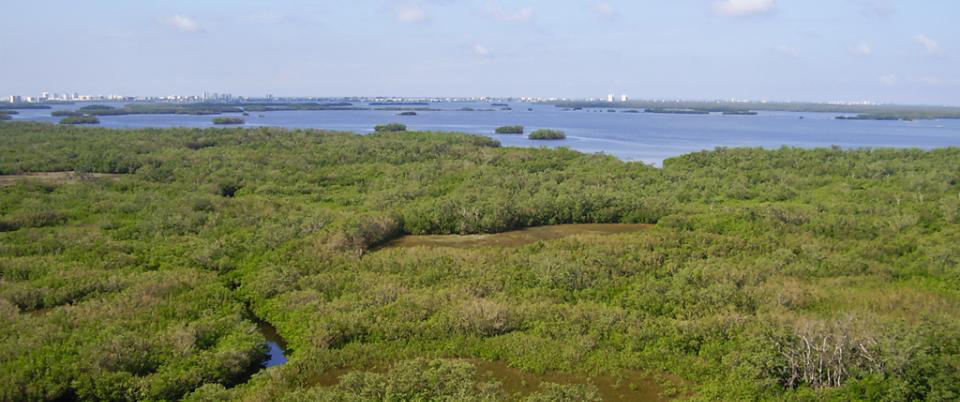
(700, 107)
(510, 130)
(90, 108)
(137, 287)
(228, 120)
(389, 127)
(158, 108)
(546, 134)
(80, 120)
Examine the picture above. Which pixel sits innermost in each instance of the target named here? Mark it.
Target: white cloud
(743, 8)
(524, 14)
(931, 46)
(862, 49)
(481, 51)
(411, 14)
(606, 9)
(180, 22)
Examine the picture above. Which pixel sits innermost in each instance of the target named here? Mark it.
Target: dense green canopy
(770, 274)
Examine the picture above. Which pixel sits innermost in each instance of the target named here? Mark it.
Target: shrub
(545, 134)
(228, 120)
(97, 107)
(65, 113)
(390, 127)
(510, 130)
(80, 120)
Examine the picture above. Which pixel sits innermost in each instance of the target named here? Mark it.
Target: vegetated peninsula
(868, 111)
(220, 108)
(14, 106)
(762, 275)
(66, 113)
(902, 115)
(80, 120)
(547, 134)
(676, 111)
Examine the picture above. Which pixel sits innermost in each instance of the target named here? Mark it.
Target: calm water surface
(645, 137)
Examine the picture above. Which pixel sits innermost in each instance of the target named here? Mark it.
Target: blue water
(275, 354)
(645, 137)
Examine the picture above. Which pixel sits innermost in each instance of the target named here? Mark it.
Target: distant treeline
(216, 108)
(900, 111)
(193, 109)
(10, 106)
(272, 107)
(399, 103)
(677, 111)
(904, 115)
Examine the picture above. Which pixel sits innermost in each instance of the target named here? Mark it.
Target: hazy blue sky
(884, 50)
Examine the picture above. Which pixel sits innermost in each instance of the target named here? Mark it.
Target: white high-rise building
(624, 98)
(610, 98)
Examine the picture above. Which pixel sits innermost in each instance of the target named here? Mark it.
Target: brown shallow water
(513, 238)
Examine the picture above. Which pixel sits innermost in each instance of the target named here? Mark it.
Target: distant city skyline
(884, 51)
(53, 97)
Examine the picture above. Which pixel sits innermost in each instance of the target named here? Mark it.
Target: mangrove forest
(141, 265)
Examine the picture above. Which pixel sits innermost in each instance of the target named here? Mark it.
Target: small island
(676, 111)
(80, 120)
(97, 107)
(390, 127)
(5, 116)
(408, 113)
(228, 120)
(880, 116)
(739, 113)
(510, 130)
(546, 134)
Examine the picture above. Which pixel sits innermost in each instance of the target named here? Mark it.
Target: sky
(896, 51)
